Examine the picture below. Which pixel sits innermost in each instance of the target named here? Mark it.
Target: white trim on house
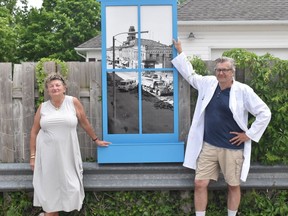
(89, 53)
(247, 22)
(87, 49)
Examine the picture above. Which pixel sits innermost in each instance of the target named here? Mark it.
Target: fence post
(95, 101)
(6, 113)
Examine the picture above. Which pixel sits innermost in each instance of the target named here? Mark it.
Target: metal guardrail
(117, 177)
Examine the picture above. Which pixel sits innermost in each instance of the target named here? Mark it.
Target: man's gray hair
(226, 59)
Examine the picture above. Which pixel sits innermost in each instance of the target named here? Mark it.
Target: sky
(34, 3)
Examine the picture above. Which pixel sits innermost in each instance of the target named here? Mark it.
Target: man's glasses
(224, 70)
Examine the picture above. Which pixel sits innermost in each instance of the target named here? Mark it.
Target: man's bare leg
(201, 195)
(234, 197)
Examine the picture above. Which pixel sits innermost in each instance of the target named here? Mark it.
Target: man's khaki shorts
(212, 159)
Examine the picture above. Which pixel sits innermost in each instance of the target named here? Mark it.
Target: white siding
(211, 40)
(94, 54)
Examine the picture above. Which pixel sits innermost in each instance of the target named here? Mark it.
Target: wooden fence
(18, 93)
(18, 89)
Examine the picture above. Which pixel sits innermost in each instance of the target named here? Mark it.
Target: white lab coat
(243, 100)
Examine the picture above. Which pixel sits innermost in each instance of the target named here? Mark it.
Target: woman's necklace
(60, 104)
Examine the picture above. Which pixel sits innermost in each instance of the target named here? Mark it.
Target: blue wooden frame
(136, 148)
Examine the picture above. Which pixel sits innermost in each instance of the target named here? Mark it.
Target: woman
(55, 154)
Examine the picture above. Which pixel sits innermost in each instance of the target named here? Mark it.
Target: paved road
(134, 76)
(157, 115)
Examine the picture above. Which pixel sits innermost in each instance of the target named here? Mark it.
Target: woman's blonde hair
(54, 76)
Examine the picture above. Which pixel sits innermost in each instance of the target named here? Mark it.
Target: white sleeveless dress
(58, 173)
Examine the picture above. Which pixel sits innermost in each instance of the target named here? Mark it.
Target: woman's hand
(32, 163)
(102, 143)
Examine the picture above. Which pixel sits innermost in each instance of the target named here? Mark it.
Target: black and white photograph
(146, 49)
(123, 34)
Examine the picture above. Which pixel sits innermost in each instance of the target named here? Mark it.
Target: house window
(140, 87)
(92, 59)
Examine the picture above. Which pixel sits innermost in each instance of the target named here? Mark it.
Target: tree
(57, 28)
(8, 31)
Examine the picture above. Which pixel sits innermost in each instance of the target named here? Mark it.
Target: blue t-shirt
(219, 121)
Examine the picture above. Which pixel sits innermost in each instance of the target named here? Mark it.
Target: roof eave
(86, 49)
(242, 22)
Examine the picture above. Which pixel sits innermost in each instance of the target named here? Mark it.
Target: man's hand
(177, 45)
(239, 138)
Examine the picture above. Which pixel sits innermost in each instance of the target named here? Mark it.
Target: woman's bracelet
(32, 156)
(95, 139)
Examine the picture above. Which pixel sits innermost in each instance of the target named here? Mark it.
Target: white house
(207, 28)
(91, 49)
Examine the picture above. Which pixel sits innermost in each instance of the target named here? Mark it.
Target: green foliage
(18, 204)
(181, 1)
(1, 204)
(153, 203)
(262, 203)
(268, 77)
(105, 204)
(41, 75)
(253, 203)
(132, 203)
(200, 66)
(58, 27)
(8, 35)
(54, 30)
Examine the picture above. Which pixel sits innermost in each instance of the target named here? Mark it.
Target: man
(219, 137)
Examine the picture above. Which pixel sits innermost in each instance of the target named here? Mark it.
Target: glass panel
(156, 52)
(121, 37)
(157, 102)
(122, 99)
(156, 46)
